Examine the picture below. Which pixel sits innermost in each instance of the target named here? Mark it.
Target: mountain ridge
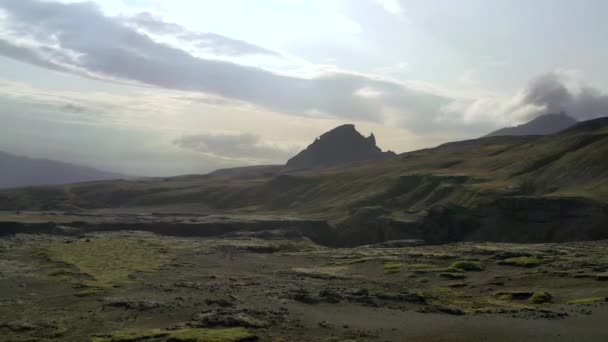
(549, 188)
(543, 125)
(20, 171)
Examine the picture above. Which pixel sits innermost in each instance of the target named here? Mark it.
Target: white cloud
(552, 92)
(391, 6)
(106, 48)
(237, 146)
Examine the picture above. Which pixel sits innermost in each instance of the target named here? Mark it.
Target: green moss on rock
(90, 292)
(467, 265)
(392, 268)
(450, 275)
(521, 262)
(589, 300)
(514, 295)
(540, 297)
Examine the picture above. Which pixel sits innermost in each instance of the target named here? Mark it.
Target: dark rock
(402, 297)
(374, 224)
(442, 309)
(304, 296)
(228, 318)
(360, 292)
(221, 302)
(140, 305)
(331, 296)
(18, 326)
(324, 324)
(367, 300)
(342, 145)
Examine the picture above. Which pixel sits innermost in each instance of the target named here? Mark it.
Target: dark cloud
(234, 146)
(27, 55)
(208, 42)
(108, 47)
(74, 108)
(550, 92)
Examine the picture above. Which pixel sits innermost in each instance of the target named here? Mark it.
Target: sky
(168, 87)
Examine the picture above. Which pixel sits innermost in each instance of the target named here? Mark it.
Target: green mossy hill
(467, 173)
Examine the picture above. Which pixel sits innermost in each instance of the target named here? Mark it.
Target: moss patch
(467, 265)
(90, 292)
(392, 268)
(514, 295)
(450, 275)
(428, 268)
(420, 266)
(110, 260)
(521, 262)
(589, 300)
(540, 297)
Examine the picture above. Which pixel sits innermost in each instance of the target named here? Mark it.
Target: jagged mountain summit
(342, 145)
(542, 125)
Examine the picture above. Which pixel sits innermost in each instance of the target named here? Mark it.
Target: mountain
(542, 125)
(19, 171)
(341, 146)
(247, 171)
(551, 188)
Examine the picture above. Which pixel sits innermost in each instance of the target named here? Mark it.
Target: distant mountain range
(534, 188)
(19, 171)
(341, 146)
(542, 125)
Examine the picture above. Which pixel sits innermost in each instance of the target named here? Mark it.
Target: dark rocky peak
(342, 145)
(542, 125)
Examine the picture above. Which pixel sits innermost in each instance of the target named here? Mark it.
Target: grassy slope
(571, 163)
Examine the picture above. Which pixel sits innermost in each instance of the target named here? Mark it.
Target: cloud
(391, 6)
(79, 38)
(556, 92)
(235, 146)
(552, 92)
(205, 41)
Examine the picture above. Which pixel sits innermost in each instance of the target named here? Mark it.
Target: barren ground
(136, 286)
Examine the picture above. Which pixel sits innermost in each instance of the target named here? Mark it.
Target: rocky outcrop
(519, 219)
(342, 145)
(317, 231)
(370, 225)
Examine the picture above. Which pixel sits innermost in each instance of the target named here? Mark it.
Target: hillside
(542, 125)
(19, 171)
(499, 188)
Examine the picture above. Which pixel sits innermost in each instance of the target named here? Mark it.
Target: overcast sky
(166, 87)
